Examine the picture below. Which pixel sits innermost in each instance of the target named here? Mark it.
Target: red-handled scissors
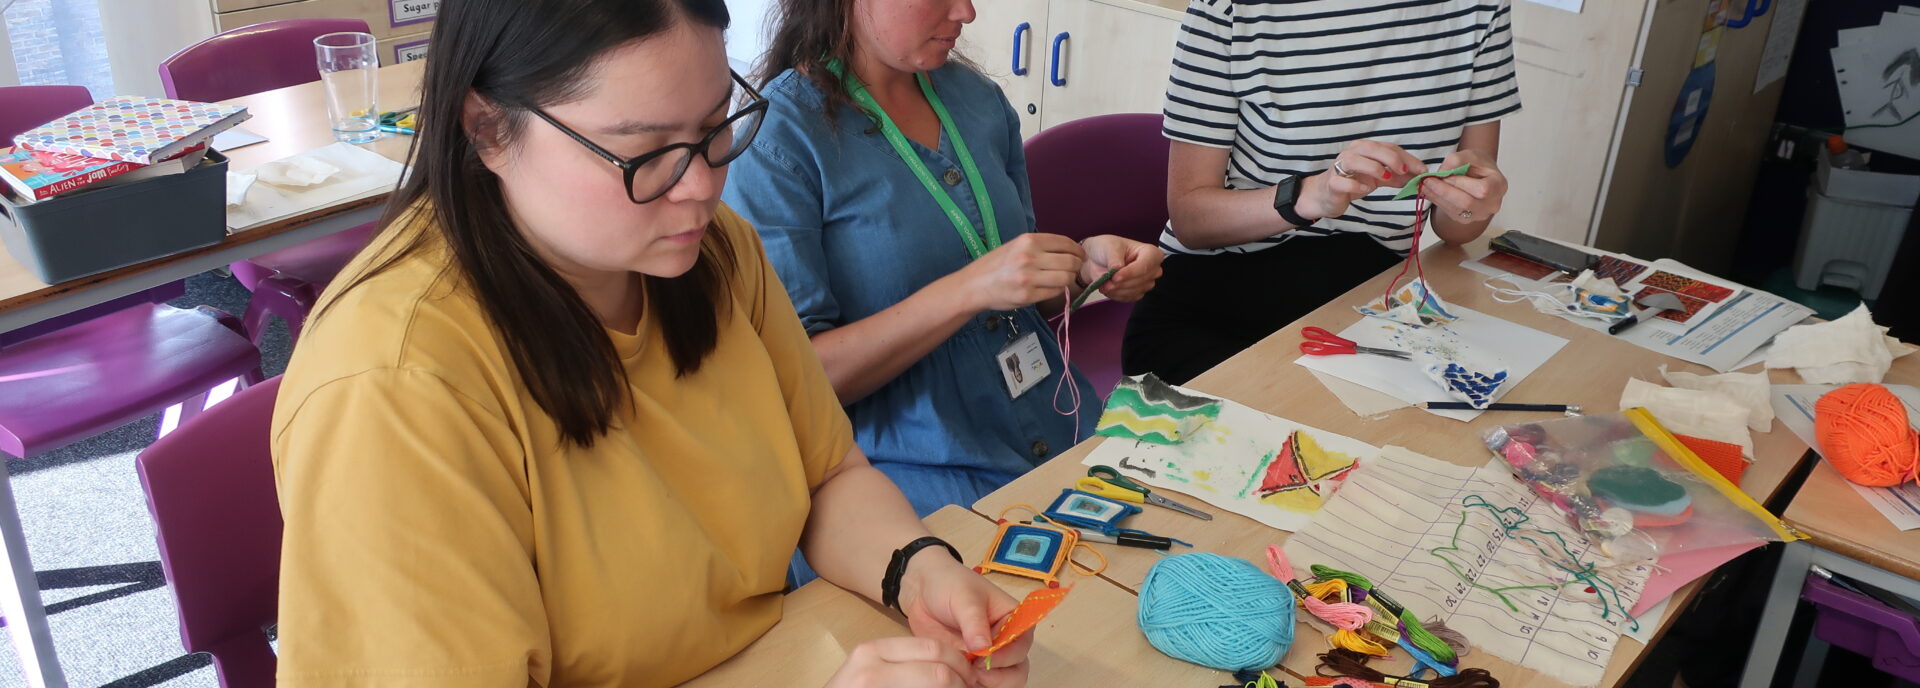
(1323, 343)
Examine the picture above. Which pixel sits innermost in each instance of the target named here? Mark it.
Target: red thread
(1413, 256)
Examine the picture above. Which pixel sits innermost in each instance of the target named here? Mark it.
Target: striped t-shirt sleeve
(1496, 91)
(1202, 104)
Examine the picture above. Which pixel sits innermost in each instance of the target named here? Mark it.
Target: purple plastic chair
(83, 373)
(217, 518)
(27, 107)
(244, 61)
(83, 379)
(1100, 175)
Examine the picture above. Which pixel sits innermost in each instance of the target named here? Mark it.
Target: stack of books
(116, 141)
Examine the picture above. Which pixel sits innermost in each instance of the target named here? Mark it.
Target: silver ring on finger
(1466, 216)
(1341, 170)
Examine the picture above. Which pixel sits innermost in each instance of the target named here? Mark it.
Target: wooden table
(294, 120)
(1846, 536)
(1590, 371)
(1090, 640)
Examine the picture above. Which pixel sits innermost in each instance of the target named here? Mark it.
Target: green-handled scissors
(1112, 476)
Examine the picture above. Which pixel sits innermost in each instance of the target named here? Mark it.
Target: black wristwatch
(1285, 195)
(897, 568)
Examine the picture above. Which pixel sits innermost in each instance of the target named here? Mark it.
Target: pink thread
(1060, 332)
(1351, 682)
(1343, 615)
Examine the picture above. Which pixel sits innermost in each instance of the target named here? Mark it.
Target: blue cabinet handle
(1751, 14)
(1053, 70)
(1019, 51)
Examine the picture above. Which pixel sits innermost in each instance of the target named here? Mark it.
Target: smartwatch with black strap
(1285, 195)
(897, 568)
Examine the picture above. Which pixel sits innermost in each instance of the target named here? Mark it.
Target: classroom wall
(747, 36)
(142, 33)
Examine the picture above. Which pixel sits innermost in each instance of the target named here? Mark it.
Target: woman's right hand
(904, 663)
(1371, 164)
(1031, 268)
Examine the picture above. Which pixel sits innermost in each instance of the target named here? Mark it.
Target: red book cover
(39, 175)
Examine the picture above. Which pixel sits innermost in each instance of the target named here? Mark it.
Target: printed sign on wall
(406, 12)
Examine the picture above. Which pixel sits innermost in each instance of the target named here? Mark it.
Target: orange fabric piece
(1025, 616)
(1724, 457)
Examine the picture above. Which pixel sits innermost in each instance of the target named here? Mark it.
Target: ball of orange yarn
(1863, 430)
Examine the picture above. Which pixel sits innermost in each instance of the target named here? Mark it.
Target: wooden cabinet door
(1103, 58)
(1004, 39)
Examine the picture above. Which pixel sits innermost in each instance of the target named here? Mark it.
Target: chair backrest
(1100, 175)
(216, 515)
(26, 107)
(250, 59)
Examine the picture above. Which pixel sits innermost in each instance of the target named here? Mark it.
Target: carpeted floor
(92, 542)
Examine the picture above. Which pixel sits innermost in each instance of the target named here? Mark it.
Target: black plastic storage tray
(69, 237)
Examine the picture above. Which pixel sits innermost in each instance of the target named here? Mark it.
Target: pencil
(1500, 406)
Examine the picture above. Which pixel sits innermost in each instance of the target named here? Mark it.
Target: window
(58, 42)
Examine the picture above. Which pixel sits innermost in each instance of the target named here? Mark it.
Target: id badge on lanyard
(1023, 363)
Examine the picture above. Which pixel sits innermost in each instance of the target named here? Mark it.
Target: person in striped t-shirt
(1292, 124)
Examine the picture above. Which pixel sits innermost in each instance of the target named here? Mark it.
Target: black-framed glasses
(650, 175)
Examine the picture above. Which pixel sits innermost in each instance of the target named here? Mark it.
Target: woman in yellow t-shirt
(560, 425)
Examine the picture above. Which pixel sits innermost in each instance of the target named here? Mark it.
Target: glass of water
(349, 68)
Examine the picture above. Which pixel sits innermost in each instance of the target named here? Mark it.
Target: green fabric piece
(1634, 487)
(1413, 185)
(1097, 284)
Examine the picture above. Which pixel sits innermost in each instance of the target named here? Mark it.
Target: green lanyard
(905, 150)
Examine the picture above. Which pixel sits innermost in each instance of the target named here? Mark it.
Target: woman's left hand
(1470, 198)
(946, 601)
(1139, 265)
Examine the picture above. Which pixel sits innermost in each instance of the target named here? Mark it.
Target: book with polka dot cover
(134, 129)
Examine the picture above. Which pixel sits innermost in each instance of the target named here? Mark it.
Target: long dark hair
(807, 35)
(518, 55)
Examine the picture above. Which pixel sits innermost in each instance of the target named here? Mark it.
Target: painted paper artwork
(1145, 408)
(1264, 467)
(1490, 357)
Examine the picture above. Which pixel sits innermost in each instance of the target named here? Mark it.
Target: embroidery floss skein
(1216, 611)
(1339, 663)
(1409, 625)
(1345, 616)
(1862, 428)
(1336, 591)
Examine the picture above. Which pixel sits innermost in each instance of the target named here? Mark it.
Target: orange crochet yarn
(1862, 428)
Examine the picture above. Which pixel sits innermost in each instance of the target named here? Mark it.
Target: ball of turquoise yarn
(1216, 611)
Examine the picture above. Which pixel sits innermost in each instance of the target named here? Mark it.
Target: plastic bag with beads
(1632, 487)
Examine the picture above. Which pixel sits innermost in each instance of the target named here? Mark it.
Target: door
(1105, 58)
(1003, 41)
(1573, 72)
(1692, 212)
